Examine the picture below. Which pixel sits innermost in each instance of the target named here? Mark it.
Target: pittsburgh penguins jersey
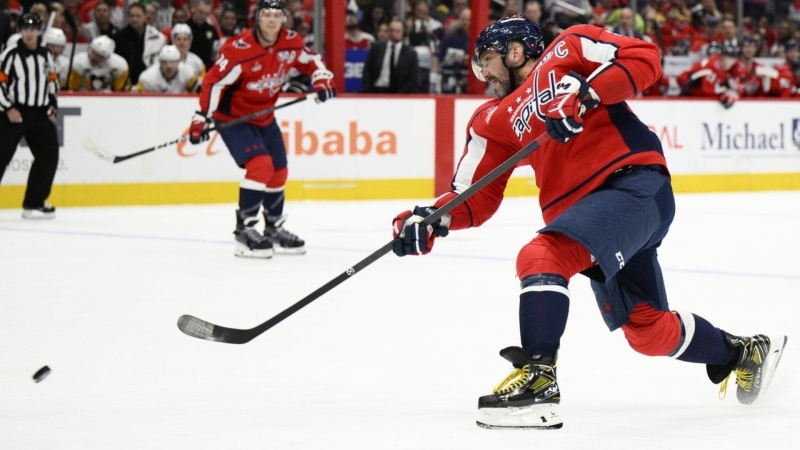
(62, 66)
(617, 68)
(110, 75)
(194, 63)
(247, 77)
(152, 80)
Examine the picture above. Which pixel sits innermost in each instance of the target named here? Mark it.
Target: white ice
(394, 358)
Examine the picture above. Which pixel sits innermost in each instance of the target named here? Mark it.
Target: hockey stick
(201, 329)
(71, 22)
(93, 147)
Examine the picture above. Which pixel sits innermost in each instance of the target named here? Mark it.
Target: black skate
(527, 399)
(44, 212)
(759, 356)
(249, 242)
(284, 241)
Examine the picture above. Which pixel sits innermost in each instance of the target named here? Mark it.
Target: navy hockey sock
(702, 342)
(543, 311)
(250, 201)
(273, 203)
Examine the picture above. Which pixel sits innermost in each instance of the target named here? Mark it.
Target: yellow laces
(513, 381)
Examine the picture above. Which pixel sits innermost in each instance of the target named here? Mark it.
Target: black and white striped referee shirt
(27, 78)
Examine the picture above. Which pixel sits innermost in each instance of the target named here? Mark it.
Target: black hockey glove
(412, 239)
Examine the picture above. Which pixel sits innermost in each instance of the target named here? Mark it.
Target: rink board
(360, 148)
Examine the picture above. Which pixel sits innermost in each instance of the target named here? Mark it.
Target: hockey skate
(44, 212)
(249, 242)
(283, 240)
(759, 356)
(527, 399)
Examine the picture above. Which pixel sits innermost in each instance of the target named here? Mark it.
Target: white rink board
(701, 137)
(342, 139)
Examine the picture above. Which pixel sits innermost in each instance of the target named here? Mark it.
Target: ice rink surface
(394, 358)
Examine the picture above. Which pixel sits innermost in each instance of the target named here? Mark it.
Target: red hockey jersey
(248, 77)
(715, 80)
(617, 68)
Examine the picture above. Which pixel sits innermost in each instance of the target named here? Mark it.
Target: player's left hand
(728, 98)
(412, 239)
(573, 98)
(322, 83)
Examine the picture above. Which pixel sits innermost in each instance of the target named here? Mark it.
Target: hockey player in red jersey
(246, 78)
(717, 76)
(607, 203)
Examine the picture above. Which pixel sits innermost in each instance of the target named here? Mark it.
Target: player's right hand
(198, 130)
(573, 97)
(412, 239)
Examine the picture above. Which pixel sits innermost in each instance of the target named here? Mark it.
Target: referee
(28, 107)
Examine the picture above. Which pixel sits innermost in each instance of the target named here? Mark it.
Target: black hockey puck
(41, 374)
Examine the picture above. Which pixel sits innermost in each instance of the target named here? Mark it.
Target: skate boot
(284, 241)
(44, 212)
(759, 356)
(249, 242)
(527, 399)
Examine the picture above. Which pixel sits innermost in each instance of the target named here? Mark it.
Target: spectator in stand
(179, 16)
(676, 34)
(228, 24)
(169, 75)
(354, 38)
(625, 25)
(56, 41)
(99, 69)
(794, 11)
(101, 25)
(373, 18)
(383, 32)
(730, 32)
(181, 36)
(578, 11)
(533, 11)
(381, 74)
(424, 37)
(164, 12)
(453, 56)
(716, 77)
(602, 10)
(205, 35)
(138, 43)
(5, 24)
(711, 33)
(150, 15)
(705, 9)
(449, 22)
(74, 8)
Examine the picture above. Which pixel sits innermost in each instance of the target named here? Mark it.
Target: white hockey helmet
(103, 46)
(180, 28)
(56, 36)
(169, 53)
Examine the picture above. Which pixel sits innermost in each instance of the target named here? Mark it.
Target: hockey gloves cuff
(412, 238)
(573, 98)
(198, 130)
(323, 85)
(728, 98)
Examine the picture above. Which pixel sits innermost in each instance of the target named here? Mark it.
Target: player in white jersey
(181, 36)
(99, 69)
(56, 41)
(169, 75)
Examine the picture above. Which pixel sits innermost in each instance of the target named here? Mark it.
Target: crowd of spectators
(427, 50)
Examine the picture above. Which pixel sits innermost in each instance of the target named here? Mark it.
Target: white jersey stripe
(476, 148)
(216, 89)
(687, 320)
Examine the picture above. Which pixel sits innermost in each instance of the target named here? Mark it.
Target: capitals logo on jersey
(271, 82)
(545, 93)
(286, 57)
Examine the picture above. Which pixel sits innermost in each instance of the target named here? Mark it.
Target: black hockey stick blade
(92, 147)
(202, 329)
